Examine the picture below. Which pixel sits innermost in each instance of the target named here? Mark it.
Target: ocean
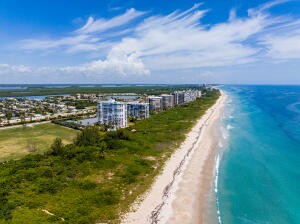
(258, 172)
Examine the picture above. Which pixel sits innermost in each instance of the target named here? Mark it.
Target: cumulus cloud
(13, 69)
(115, 65)
(120, 64)
(175, 41)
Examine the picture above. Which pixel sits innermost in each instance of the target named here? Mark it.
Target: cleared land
(18, 142)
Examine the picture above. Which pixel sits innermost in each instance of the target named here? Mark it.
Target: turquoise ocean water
(258, 177)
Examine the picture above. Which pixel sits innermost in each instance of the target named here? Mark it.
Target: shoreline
(177, 194)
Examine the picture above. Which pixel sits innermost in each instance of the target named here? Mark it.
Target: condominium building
(190, 95)
(138, 110)
(155, 103)
(112, 113)
(167, 101)
(199, 93)
(178, 97)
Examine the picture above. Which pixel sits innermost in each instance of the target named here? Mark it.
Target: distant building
(138, 110)
(155, 103)
(167, 101)
(199, 94)
(112, 113)
(209, 88)
(190, 95)
(178, 97)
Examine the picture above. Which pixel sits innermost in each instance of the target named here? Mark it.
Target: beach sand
(178, 194)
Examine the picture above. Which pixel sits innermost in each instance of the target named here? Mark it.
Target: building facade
(112, 113)
(167, 101)
(155, 103)
(138, 110)
(178, 97)
(190, 95)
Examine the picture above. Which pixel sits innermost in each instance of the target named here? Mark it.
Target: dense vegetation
(97, 90)
(96, 178)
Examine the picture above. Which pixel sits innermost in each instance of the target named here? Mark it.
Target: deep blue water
(259, 172)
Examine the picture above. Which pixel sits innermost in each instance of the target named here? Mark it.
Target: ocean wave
(216, 188)
(224, 133)
(293, 107)
(217, 173)
(228, 127)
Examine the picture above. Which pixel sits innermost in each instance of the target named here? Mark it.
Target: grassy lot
(98, 177)
(17, 142)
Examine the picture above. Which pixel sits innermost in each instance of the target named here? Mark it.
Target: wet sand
(179, 193)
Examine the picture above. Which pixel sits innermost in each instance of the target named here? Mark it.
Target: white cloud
(117, 65)
(120, 64)
(101, 25)
(13, 69)
(84, 38)
(180, 41)
(284, 46)
(35, 44)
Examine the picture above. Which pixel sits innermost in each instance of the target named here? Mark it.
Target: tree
(89, 136)
(57, 147)
(132, 118)
(101, 149)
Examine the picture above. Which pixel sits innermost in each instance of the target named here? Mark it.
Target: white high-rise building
(138, 110)
(167, 101)
(112, 113)
(155, 103)
(190, 95)
(178, 97)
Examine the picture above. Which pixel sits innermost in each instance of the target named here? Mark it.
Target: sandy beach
(178, 194)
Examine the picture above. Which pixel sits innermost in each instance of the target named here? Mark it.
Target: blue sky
(229, 41)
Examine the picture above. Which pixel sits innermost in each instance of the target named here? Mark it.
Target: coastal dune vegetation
(97, 177)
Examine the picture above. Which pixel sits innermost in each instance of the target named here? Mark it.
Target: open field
(20, 141)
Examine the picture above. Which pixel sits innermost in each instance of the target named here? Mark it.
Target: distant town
(113, 110)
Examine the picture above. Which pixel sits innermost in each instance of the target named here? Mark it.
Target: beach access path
(178, 193)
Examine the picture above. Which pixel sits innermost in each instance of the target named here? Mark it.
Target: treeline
(98, 176)
(156, 90)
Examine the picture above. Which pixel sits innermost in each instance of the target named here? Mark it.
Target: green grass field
(17, 142)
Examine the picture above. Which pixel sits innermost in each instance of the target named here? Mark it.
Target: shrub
(88, 136)
(121, 134)
(105, 197)
(57, 147)
(87, 185)
(47, 186)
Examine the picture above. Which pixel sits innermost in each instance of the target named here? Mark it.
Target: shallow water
(259, 175)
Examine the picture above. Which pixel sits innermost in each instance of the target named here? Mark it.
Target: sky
(132, 41)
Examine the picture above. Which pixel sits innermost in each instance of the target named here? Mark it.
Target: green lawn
(17, 142)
